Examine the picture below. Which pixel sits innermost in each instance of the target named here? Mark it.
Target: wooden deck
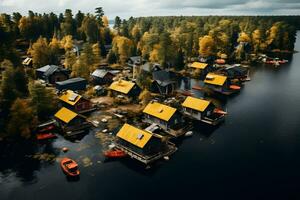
(148, 159)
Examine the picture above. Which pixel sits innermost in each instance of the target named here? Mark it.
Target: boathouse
(164, 116)
(52, 73)
(102, 77)
(220, 83)
(139, 141)
(202, 110)
(127, 88)
(70, 122)
(235, 72)
(75, 102)
(201, 69)
(74, 84)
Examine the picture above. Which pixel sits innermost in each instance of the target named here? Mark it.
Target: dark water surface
(255, 154)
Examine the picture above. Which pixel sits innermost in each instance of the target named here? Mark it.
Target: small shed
(165, 116)
(139, 141)
(75, 102)
(102, 77)
(202, 68)
(74, 84)
(27, 62)
(220, 83)
(128, 88)
(52, 73)
(134, 60)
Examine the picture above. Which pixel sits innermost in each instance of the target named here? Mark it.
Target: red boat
(45, 136)
(69, 167)
(234, 87)
(219, 111)
(115, 154)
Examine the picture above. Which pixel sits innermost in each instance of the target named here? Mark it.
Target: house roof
(162, 75)
(215, 79)
(198, 65)
(160, 111)
(70, 97)
(122, 86)
(135, 58)
(27, 61)
(50, 69)
(196, 104)
(134, 135)
(100, 73)
(65, 115)
(71, 80)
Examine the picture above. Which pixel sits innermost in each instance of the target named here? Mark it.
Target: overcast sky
(127, 8)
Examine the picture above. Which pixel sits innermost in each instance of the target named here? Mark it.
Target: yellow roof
(199, 65)
(195, 103)
(70, 97)
(160, 111)
(122, 86)
(65, 115)
(134, 135)
(215, 79)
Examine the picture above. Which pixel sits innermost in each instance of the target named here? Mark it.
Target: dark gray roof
(136, 59)
(162, 75)
(99, 73)
(165, 83)
(149, 67)
(71, 80)
(50, 69)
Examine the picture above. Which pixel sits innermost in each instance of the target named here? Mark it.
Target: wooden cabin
(139, 141)
(74, 84)
(164, 116)
(163, 82)
(127, 88)
(202, 110)
(52, 74)
(220, 83)
(102, 77)
(70, 122)
(201, 69)
(75, 102)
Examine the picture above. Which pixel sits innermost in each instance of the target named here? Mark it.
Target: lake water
(255, 154)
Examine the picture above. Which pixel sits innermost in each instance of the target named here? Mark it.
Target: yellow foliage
(244, 37)
(67, 42)
(206, 44)
(105, 21)
(154, 53)
(123, 46)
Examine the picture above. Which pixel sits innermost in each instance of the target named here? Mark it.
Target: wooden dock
(148, 159)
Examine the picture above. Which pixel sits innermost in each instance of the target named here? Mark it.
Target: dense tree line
(162, 39)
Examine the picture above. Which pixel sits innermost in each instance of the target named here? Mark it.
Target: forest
(171, 41)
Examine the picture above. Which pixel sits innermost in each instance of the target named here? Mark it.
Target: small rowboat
(115, 154)
(45, 136)
(234, 87)
(219, 111)
(69, 167)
